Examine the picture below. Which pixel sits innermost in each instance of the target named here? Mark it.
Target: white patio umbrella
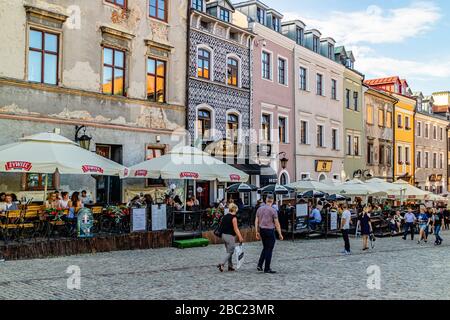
(308, 185)
(47, 153)
(383, 185)
(407, 191)
(356, 187)
(187, 163)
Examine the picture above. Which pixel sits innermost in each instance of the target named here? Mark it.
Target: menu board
(333, 220)
(138, 219)
(302, 210)
(159, 217)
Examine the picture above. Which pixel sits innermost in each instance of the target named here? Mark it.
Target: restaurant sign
(324, 165)
(91, 169)
(235, 177)
(189, 175)
(18, 165)
(85, 223)
(141, 173)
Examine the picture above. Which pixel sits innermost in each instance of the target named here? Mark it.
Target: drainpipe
(394, 145)
(188, 44)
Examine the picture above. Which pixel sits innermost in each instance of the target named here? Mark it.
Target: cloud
(375, 66)
(375, 25)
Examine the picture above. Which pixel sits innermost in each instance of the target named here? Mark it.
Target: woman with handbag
(229, 230)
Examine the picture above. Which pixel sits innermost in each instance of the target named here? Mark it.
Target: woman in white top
(64, 202)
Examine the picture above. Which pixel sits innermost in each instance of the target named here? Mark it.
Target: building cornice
(84, 93)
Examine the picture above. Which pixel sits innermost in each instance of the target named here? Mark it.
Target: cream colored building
(118, 70)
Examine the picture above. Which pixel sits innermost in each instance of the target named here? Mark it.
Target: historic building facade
(430, 146)
(442, 107)
(116, 67)
(273, 88)
(318, 104)
(355, 139)
(219, 85)
(379, 131)
(403, 125)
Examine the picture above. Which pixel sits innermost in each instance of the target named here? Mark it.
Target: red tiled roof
(441, 109)
(376, 82)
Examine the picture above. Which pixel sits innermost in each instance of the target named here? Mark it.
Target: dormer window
(300, 36)
(197, 5)
(316, 41)
(330, 51)
(224, 15)
(261, 16)
(349, 63)
(276, 24)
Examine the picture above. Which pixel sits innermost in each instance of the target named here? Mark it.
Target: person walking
(345, 228)
(366, 227)
(229, 228)
(410, 219)
(424, 222)
(438, 222)
(266, 222)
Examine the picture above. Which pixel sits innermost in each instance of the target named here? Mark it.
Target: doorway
(203, 196)
(109, 189)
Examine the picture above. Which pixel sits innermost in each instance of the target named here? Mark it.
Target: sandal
(220, 267)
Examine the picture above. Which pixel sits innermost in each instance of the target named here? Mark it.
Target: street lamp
(283, 159)
(84, 141)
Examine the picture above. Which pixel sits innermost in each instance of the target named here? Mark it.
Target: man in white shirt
(345, 227)
(85, 199)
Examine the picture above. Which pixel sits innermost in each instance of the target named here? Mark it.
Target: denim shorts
(422, 226)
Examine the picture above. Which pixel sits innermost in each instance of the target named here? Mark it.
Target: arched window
(233, 127)
(322, 177)
(204, 64)
(204, 124)
(233, 72)
(284, 180)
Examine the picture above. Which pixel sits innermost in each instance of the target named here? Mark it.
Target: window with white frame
(303, 79)
(266, 65)
(333, 89)
(349, 145)
(320, 137)
(441, 161)
(266, 127)
(304, 139)
(282, 130)
(400, 154)
(434, 160)
(356, 146)
(197, 5)
(407, 156)
(335, 139)
(419, 159)
(282, 71)
(319, 84)
(419, 129)
(427, 160)
(434, 132)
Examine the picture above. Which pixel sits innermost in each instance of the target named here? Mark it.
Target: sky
(408, 38)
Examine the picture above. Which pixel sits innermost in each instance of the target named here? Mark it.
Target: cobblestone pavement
(307, 269)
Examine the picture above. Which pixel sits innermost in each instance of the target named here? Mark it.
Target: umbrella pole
(45, 187)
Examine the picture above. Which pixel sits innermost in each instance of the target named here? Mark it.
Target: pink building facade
(273, 104)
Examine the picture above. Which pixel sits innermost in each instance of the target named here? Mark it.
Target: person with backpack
(229, 230)
(438, 221)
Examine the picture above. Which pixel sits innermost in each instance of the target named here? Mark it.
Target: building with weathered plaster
(430, 146)
(318, 91)
(273, 88)
(355, 140)
(379, 131)
(442, 107)
(219, 84)
(116, 67)
(403, 125)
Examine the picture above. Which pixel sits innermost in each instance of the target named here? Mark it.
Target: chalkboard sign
(333, 220)
(159, 217)
(85, 223)
(301, 222)
(138, 219)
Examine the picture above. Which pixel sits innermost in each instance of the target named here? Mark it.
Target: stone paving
(307, 269)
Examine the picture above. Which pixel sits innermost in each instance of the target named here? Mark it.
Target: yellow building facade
(404, 166)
